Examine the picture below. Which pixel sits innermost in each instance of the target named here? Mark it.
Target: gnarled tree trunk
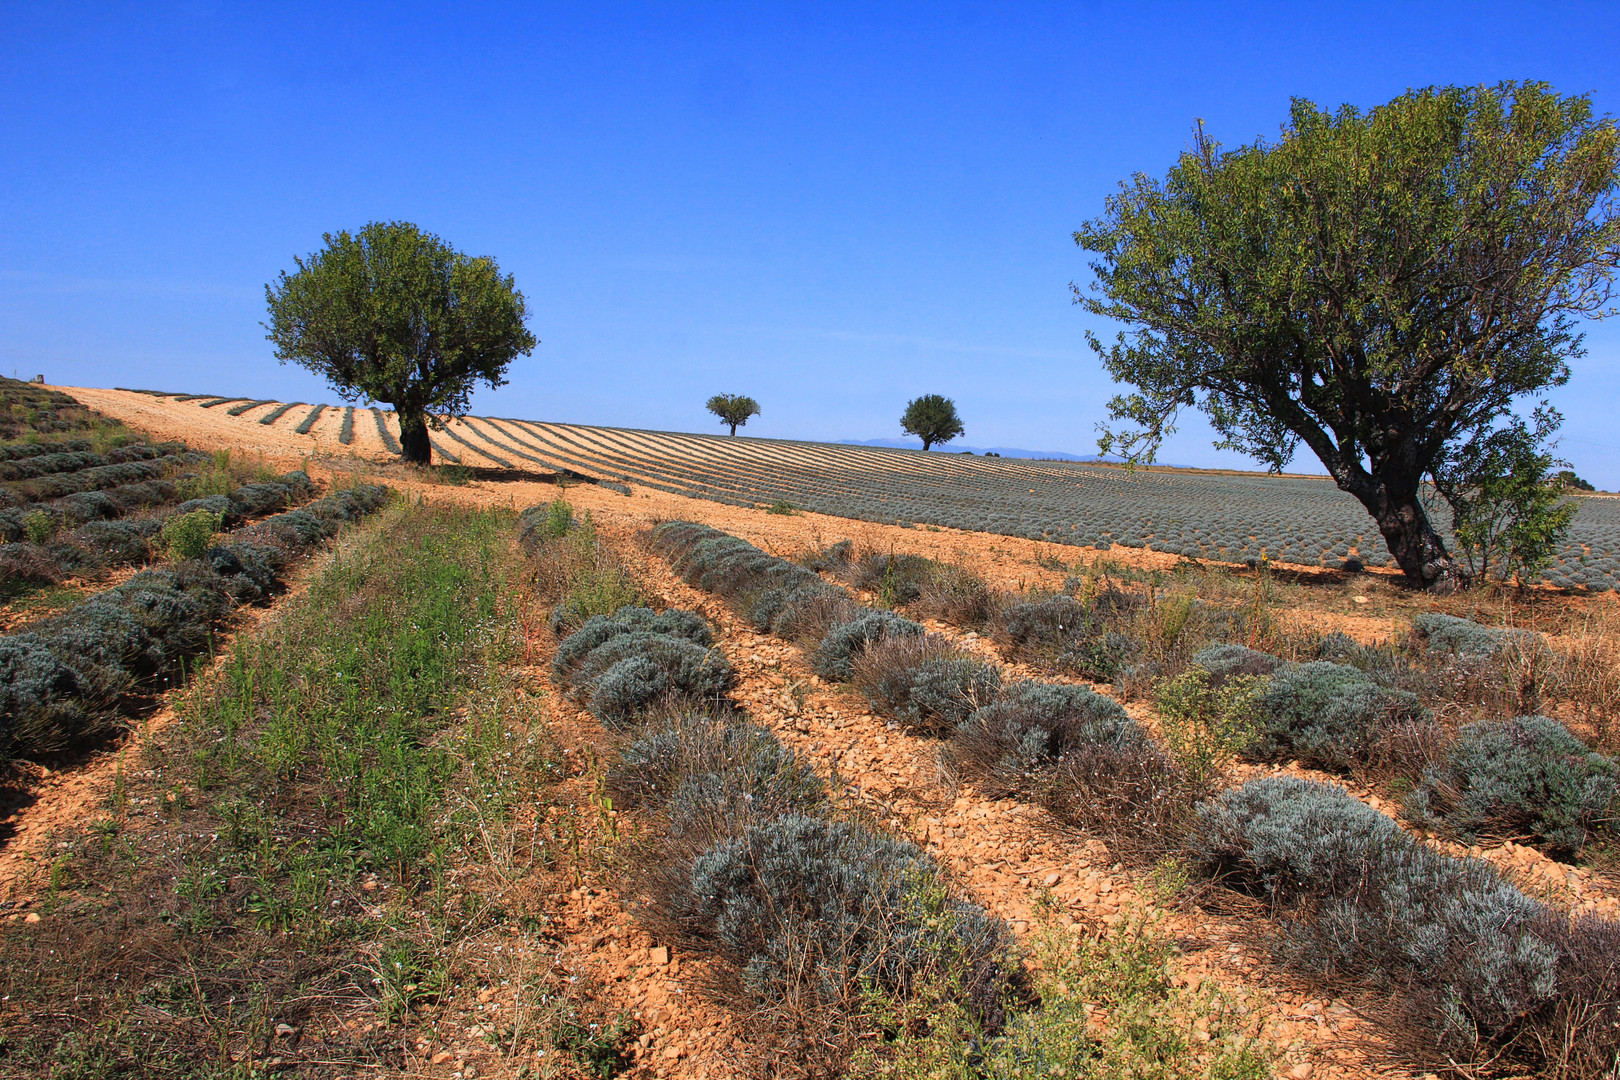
(414, 444)
(1407, 531)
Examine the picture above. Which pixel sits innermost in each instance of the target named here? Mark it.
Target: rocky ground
(1002, 852)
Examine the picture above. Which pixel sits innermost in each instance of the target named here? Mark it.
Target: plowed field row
(1231, 518)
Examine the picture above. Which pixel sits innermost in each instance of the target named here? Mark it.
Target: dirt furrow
(680, 1032)
(1001, 850)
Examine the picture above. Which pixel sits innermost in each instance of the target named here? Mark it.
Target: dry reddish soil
(1367, 606)
(1001, 852)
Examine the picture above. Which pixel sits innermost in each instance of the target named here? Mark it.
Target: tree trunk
(927, 442)
(1417, 548)
(733, 431)
(414, 444)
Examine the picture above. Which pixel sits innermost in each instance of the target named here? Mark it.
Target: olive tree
(1382, 286)
(932, 419)
(394, 314)
(733, 409)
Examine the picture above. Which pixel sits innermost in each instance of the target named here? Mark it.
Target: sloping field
(1219, 517)
(617, 792)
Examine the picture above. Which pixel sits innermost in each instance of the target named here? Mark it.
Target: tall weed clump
(1109, 1007)
(896, 579)
(1584, 673)
(956, 595)
(577, 574)
(1102, 630)
(187, 535)
(1206, 721)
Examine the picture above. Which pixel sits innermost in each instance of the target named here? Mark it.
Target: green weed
(186, 536)
(601, 1049)
(39, 527)
(1109, 1008)
(1205, 725)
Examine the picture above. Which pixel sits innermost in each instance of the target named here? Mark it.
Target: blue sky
(830, 207)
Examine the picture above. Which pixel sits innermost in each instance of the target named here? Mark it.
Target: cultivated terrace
(323, 765)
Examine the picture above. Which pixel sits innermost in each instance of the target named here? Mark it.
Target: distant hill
(1004, 451)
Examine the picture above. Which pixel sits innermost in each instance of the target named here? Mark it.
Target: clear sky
(832, 208)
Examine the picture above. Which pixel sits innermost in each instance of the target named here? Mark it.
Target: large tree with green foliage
(733, 409)
(931, 418)
(1382, 286)
(394, 314)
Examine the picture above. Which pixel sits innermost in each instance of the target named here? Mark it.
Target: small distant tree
(932, 419)
(1566, 479)
(733, 409)
(394, 314)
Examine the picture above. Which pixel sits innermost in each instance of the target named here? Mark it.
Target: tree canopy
(394, 314)
(733, 409)
(1569, 481)
(1382, 286)
(932, 419)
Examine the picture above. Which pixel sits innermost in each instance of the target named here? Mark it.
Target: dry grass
(1140, 802)
(956, 595)
(1583, 673)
